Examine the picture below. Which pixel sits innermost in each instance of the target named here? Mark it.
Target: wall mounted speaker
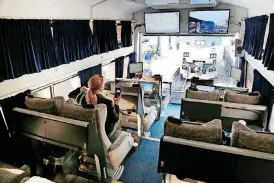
(239, 51)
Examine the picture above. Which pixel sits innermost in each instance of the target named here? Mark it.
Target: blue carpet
(157, 128)
(141, 166)
(172, 110)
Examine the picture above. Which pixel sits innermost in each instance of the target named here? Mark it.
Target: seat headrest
(126, 89)
(199, 95)
(210, 132)
(246, 138)
(252, 99)
(47, 106)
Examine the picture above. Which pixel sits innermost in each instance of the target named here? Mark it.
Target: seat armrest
(26, 168)
(118, 142)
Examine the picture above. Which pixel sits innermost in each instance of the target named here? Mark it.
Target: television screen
(209, 22)
(136, 68)
(162, 22)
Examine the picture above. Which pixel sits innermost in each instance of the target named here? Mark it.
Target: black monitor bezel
(229, 14)
(162, 32)
(136, 64)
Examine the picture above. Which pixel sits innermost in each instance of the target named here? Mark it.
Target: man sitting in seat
(93, 95)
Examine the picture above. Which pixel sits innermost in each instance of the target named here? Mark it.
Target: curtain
(268, 55)
(119, 67)
(26, 47)
(105, 33)
(126, 33)
(88, 73)
(73, 40)
(266, 90)
(261, 23)
(132, 60)
(243, 73)
(254, 35)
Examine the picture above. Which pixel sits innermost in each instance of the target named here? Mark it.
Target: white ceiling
(118, 5)
(256, 7)
(249, 4)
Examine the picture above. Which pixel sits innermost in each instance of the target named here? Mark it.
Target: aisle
(141, 165)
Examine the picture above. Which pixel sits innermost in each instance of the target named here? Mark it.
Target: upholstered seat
(242, 98)
(212, 96)
(210, 132)
(245, 138)
(134, 113)
(12, 174)
(116, 147)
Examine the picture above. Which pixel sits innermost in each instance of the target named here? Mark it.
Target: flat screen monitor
(236, 73)
(136, 68)
(162, 22)
(148, 87)
(209, 22)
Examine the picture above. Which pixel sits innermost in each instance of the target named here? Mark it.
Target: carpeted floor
(156, 130)
(141, 165)
(172, 110)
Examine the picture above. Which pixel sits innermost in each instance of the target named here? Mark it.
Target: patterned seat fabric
(245, 138)
(11, 174)
(210, 132)
(199, 95)
(47, 106)
(242, 98)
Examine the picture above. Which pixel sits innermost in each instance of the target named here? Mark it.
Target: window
(126, 63)
(108, 71)
(119, 33)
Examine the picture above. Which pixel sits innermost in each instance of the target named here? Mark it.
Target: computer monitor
(148, 87)
(136, 68)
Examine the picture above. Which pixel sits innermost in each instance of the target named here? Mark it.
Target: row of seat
(62, 123)
(198, 152)
(230, 96)
(236, 106)
(134, 114)
(207, 151)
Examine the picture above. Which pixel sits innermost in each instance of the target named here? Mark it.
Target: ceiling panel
(255, 7)
(248, 3)
(88, 3)
(124, 5)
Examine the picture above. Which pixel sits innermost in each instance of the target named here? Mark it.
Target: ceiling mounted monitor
(162, 22)
(209, 22)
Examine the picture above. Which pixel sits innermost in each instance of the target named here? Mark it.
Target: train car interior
(136, 91)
